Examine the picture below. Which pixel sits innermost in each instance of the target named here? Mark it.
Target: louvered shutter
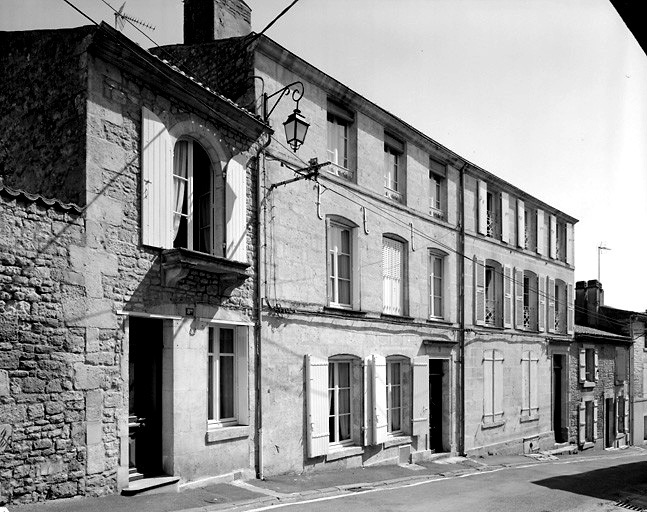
(505, 217)
(582, 423)
(508, 305)
(498, 384)
(420, 409)
(595, 420)
(479, 291)
(525, 382)
(488, 384)
(582, 365)
(367, 429)
(620, 366)
(533, 366)
(597, 368)
(518, 292)
(551, 304)
(521, 224)
(157, 182)
(541, 301)
(242, 375)
(392, 260)
(318, 405)
(482, 210)
(541, 249)
(570, 310)
(236, 205)
(570, 244)
(378, 371)
(553, 237)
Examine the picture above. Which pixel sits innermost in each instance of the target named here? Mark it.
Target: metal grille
(490, 312)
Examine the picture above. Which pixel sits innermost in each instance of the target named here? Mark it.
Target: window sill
(343, 311)
(438, 320)
(394, 195)
(340, 171)
(397, 440)
(588, 384)
(397, 318)
(587, 445)
(177, 263)
(216, 435)
(437, 214)
(342, 452)
(529, 418)
(493, 424)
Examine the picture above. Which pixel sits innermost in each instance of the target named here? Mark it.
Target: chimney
(580, 303)
(594, 299)
(208, 20)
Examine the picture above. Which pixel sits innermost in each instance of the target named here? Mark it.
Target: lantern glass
(295, 129)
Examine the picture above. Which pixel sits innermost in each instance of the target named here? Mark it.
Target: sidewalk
(294, 488)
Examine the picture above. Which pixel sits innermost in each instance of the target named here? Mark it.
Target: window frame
(333, 366)
(214, 419)
(335, 226)
(494, 297)
(401, 245)
(433, 257)
(338, 123)
(390, 362)
(437, 185)
(394, 168)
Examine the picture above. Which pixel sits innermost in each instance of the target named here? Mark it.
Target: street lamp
(601, 248)
(295, 125)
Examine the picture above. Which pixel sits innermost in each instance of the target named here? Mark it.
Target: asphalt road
(582, 485)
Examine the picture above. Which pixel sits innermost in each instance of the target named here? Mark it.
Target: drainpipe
(630, 378)
(461, 312)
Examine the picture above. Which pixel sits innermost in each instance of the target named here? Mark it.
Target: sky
(550, 95)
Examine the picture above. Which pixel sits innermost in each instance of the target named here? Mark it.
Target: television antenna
(121, 18)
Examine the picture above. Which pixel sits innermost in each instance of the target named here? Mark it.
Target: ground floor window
(339, 401)
(588, 421)
(394, 396)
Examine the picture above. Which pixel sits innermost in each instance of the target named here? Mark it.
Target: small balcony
(492, 316)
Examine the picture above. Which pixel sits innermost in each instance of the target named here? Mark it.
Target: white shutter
(582, 365)
(551, 303)
(521, 224)
(533, 365)
(570, 244)
(508, 305)
(479, 291)
(518, 289)
(420, 409)
(242, 374)
(379, 399)
(488, 384)
(597, 369)
(157, 182)
(541, 249)
(541, 301)
(317, 401)
(505, 217)
(498, 384)
(482, 209)
(368, 404)
(553, 237)
(392, 282)
(236, 205)
(525, 382)
(570, 310)
(581, 432)
(595, 420)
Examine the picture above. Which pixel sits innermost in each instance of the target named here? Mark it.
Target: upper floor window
(493, 214)
(437, 194)
(340, 264)
(560, 241)
(393, 276)
(436, 283)
(529, 307)
(560, 306)
(393, 167)
(493, 294)
(339, 130)
(530, 229)
(588, 367)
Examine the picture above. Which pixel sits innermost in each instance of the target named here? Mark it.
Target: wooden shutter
(553, 237)
(498, 384)
(595, 420)
(318, 405)
(626, 413)
(597, 368)
(620, 364)
(236, 206)
(508, 304)
(242, 374)
(533, 366)
(392, 273)
(157, 182)
(541, 249)
(488, 384)
(525, 382)
(505, 217)
(541, 303)
(521, 224)
(420, 384)
(518, 292)
(570, 244)
(367, 428)
(550, 283)
(570, 310)
(581, 431)
(378, 371)
(482, 207)
(479, 291)
(582, 365)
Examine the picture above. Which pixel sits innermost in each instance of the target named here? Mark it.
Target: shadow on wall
(606, 483)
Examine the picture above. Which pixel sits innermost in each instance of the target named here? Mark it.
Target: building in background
(127, 277)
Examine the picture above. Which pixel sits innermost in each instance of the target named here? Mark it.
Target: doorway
(559, 389)
(144, 397)
(610, 423)
(436, 405)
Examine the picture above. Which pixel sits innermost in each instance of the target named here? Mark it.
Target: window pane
(344, 292)
(210, 390)
(226, 387)
(226, 341)
(345, 241)
(344, 401)
(395, 420)
(344, 427)
(394, 373)
(344, 266)
(343, 380)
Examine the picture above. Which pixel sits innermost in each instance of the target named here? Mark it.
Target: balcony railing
(526, 317)
(394, 195)
(491, 312)
(492, 224)
(340, 171)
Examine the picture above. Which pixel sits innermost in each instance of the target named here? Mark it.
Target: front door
(561, 433)
(436, 405)
(610, 422)
(145, 397)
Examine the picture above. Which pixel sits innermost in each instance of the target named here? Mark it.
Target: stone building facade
(400, 280)
(127, 317)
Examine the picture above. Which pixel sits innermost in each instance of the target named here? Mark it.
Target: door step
(567, 448)
(155, 485)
